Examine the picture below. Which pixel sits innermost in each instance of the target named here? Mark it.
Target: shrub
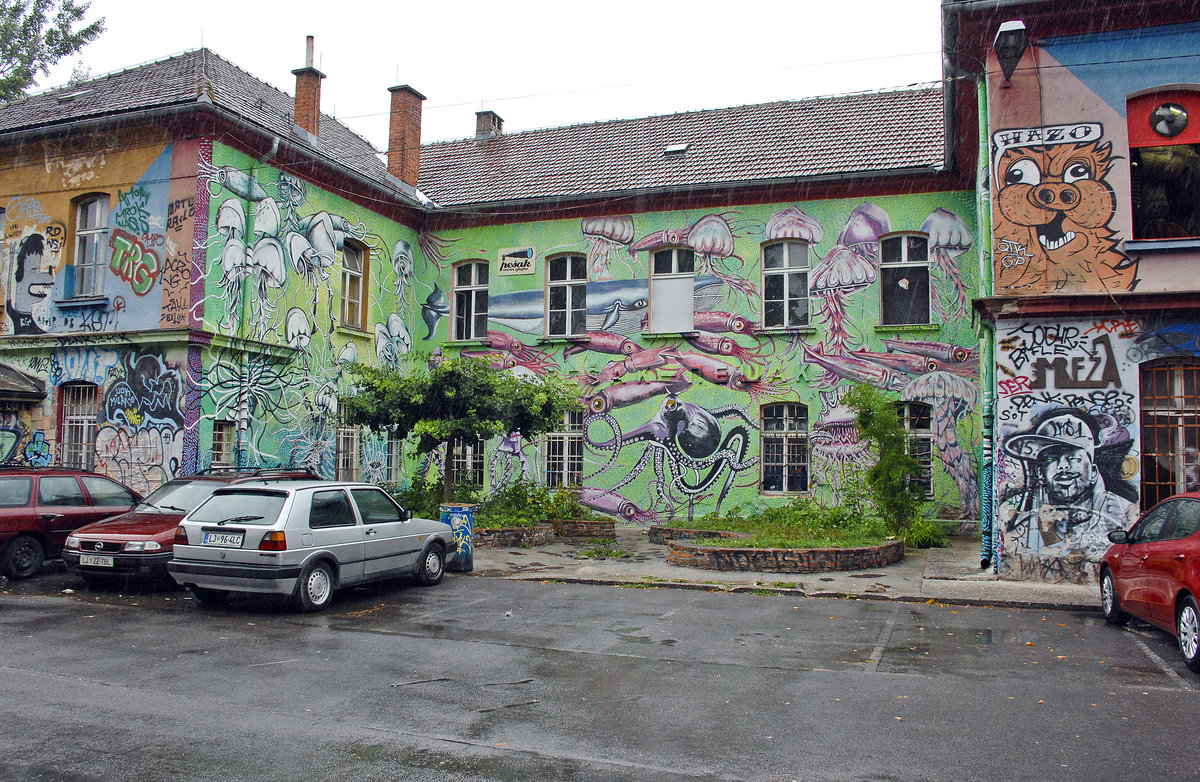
(564, 504)
(802, 523)
(521, 503)
(424, 497)
(924, 533)
(894, 476)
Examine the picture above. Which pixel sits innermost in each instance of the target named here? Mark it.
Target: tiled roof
(865, 133)
(181, 80)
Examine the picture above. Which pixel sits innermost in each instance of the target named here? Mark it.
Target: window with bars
(78, 425)
(1170, 402)
(224, 441)
(394, 459)
(904, 280)
(918, 422)
(566, 296)
(785, 285)
(784, 452)
(564, 452)
(672, 290)
(466, 462)
(348, 461)
(354, 284)
(470, 300)
(91, 237)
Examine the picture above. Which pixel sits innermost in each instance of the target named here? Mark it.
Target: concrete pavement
(948, 575)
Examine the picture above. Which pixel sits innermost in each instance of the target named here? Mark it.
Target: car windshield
(178, 496)
(241, 506)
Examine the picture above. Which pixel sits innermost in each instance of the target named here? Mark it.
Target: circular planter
(684, 553)
(513, 537)
(585, 528)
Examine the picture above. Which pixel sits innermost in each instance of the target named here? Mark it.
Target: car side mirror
(1118, 536)
(405, 515)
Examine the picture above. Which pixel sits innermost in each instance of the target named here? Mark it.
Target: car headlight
(72, 541)
(142, 545)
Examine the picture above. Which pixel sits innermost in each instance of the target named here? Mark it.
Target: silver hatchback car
(304, 539)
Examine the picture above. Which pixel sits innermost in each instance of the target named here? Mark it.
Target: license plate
(226, 539)
(95, 560)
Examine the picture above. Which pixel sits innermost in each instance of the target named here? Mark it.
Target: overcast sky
(537, 64)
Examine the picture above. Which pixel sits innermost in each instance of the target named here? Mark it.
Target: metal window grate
(347, 453)
(79, 415)
(564, 452)
(1170, 394)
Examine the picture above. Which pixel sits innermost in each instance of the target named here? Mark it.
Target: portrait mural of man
(1056, 526)
(30, 284)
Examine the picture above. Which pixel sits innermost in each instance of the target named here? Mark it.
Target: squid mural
(672, 423)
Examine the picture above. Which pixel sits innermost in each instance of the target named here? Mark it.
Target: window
(466, 462)
(330, 509)
(784, 447)
(106, 493)
(1170, 401)
(60, 490)
(347, 453)
(15, 492)
(77, 425)
(785, 285)
(1164, 163)
(91, 237)
(354, 275)
(672, 290)
(564, 452)
(224, 440)
(375, 507)
(470, 300)
(918, 422)
(566, 296)
(904, 280)
(394, 459)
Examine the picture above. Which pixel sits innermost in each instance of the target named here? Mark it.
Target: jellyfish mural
(402, 266)
(263, 265)
(949, 238)
(862, 231)
(604, 235)
(793, 223)
(950, 397)
(711, 239)
(838, 275)
(392, 341)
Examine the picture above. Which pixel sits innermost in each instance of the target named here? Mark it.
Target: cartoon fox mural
(1052, 213)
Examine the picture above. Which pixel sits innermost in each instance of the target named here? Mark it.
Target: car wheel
(1187, 629)
(433, 566)
(211, 598)
(23, 557)
(1108, 600)
(315, 588)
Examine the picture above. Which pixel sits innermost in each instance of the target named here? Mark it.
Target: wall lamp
(1011, 42)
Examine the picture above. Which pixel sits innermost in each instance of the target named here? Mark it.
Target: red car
(1153, 572)
(139, 543)
(40, 505)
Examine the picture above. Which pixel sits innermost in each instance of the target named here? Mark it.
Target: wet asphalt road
(486, 679)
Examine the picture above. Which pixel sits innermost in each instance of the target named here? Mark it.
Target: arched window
(784, 447)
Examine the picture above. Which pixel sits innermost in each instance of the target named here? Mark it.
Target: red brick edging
(682, 552)
(513, 537)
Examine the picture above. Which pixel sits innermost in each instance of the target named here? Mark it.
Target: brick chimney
(488, 124)
(404, 134)
(308, 92)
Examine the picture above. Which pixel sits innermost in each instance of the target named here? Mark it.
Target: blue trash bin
(461, 518)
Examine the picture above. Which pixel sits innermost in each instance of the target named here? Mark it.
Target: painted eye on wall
(1076, 172)
(1023, 172)
(1169, 119)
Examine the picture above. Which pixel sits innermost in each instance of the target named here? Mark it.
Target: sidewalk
(948, 575)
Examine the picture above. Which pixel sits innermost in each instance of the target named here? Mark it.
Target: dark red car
(139, 543)
(39, 506)
(1153, 572)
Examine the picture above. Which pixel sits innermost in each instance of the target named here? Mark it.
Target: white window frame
(918, 423)
(566, 295)
(354, 284)
(784, 446)
(905, 268)
(790, 274)
(470, 301)
(91, 235)
(672, 290)
(562, 452)
(467, 459)
(79, 425)
(349, 448)
(224, 443)
(393, 458)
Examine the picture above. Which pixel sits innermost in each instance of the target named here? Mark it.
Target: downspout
(989, 534)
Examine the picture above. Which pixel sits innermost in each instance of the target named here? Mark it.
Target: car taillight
(273, 541)
(180, 536)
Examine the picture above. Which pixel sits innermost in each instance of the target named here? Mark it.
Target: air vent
(677, 149)
(70, 96)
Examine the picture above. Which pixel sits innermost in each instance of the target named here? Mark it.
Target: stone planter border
(684, 553)
(513, 537)
(585, 528)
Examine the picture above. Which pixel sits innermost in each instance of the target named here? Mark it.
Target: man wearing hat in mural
(1066, 509)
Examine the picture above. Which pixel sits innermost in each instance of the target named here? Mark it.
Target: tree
(460, 398)
(894, 476)
(34, 35)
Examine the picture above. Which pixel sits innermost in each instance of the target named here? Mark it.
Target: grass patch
(802, 523)
(603, 552)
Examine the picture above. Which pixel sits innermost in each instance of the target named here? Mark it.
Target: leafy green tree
(34, 35)
(893, 479)
(460, 398)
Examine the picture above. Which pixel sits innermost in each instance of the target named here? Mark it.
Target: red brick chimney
(488, 124)
(404, 134)
(308, 92)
